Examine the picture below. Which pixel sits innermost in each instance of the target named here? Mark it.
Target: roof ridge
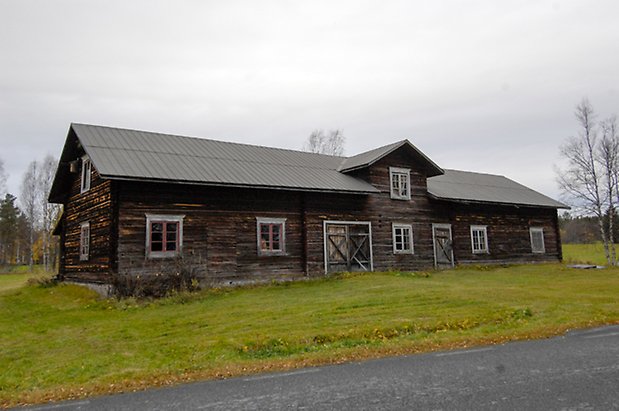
(208, 139)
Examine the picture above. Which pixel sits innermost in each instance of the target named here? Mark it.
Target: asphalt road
(578, 371)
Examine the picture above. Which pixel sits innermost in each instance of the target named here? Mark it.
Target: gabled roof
(146, 156)
(466, 186)
(370, 157)
(139, 155)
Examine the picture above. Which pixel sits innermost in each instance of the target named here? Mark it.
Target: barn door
(348, 247)
(443, 250)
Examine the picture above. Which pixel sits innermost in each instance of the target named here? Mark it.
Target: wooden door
(347, 247)
(443, 250)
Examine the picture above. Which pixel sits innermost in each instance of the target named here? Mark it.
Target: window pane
(156, 237)
(157, 227)
(171, 246)
(406, 239)
(156, 246)
(171, 227)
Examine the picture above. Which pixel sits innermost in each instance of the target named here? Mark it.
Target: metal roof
(131, 154)
(139, 155)
(370, 157)
(467, 186)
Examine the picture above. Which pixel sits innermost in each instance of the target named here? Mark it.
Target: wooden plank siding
(419, 212)
(219, 230)
(95, 207)
(508, 233)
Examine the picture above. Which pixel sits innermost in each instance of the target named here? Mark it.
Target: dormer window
(400, 183)
(86, 173)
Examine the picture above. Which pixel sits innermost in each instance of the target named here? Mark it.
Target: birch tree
(3, 178)
(30, 200)
(590, 178)
(48, 211)
(331, 143)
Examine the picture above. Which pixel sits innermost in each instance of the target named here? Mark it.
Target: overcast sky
(485, 86)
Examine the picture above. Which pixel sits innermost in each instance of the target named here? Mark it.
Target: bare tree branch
(321, 143)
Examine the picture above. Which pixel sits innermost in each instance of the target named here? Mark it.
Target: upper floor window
(164, 235)
(479, 239)
(402, 238)
(271, 235)
(86, 172)
(400, 183)
(84, 241)
(537, 240)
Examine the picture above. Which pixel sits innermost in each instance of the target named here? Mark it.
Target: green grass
(584, 253)
(64, 342)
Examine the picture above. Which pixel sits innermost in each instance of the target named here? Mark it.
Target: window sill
(162, 255)
(271, 253)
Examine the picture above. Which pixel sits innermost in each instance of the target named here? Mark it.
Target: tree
(30, 197)
(9, 230)
(590, 178)
(48, 211)
(331, 143)
(3, 178)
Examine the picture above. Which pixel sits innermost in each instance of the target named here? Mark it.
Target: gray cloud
(484, 86)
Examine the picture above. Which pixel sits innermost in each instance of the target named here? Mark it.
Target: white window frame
(409, 227)
(282, 235)
(85, 174)
(484, 249)
(165, 218)
(85, 241)
(398, 173)
(539, 230)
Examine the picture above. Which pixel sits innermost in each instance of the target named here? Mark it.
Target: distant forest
(583, 230)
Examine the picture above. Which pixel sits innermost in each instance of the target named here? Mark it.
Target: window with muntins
(400, 183)
(537, 240)
(402, 239)
(479, 239)
(86, 173)
(84, 241)
(164, 235)
(271, 235)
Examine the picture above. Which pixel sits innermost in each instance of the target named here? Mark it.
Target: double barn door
(348, 247)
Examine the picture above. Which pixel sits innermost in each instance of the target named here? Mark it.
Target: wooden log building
(138, 202)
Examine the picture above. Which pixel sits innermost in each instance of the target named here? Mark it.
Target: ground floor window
(402, 238)
(84, 241)
(537, 240)
(479, 239)
(271, 235)
(164, 235)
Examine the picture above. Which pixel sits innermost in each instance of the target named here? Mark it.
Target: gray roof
(466, 186)
(139, 155)
(132, 154)
(370, 157)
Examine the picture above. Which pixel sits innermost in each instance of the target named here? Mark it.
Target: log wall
(219, 231)
(508, 233)
(96, 207)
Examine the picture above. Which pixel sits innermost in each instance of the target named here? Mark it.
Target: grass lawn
(63, 342)
(584, 253)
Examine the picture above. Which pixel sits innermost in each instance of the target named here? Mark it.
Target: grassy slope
(63, 342)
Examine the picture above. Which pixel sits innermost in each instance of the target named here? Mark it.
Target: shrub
(169, 280)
